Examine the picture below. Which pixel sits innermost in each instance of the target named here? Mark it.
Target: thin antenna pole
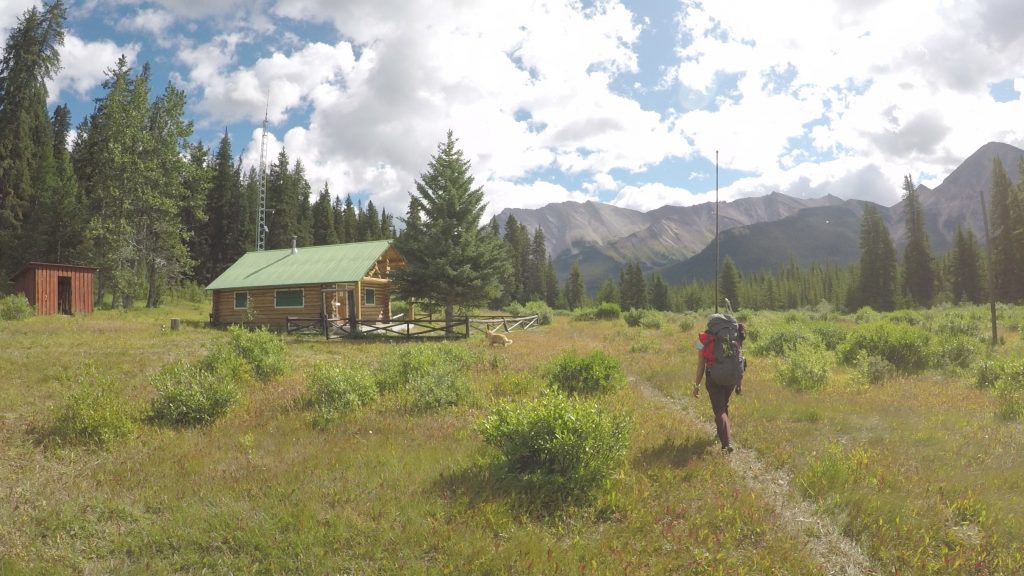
(991, 273)
(716, 232)
(261, 209)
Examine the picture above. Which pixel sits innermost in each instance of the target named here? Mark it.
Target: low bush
(334, 390)
(224, 363)
(806, 367)
(958, 324)
(649, 319)
(905, 347)
(988, 372)
(955, 351)
(686, 323)
(1009, 390)
(188, 395)
(538, 307)
(595, 373)
(779, 342)
(872, 370)
(402, 363)
(15, 307)
(608, 311)
(585, 314)
(261, 349)
(561, 451)
(830, 335)
(93, 415)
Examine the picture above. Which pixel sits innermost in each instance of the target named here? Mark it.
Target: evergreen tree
(323, 219)
(223, 230)
(729, 282)
(198, 180)
(608, 292)
(302, 191)
(281, 223)
(534, 273)
(349, 221)
(575, 293)
(369, 224)
(877, 271)
(550, 284)
(338, 210)
(1007, 237)
(966, 268)
(450, 259)
(63, 213)
(28, 175)
(659, 294)
(918, 270)
(517, 240)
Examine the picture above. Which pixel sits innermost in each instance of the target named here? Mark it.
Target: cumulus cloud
(84, 65)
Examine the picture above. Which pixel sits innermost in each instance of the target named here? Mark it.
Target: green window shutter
(241, 300)
(288, 299)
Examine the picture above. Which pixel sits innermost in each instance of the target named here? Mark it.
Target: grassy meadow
(921, 465)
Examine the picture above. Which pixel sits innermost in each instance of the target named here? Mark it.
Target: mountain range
(760, 233)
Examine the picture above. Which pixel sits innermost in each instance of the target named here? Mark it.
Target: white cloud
(84, 65)
(654, 195)
(155, 22)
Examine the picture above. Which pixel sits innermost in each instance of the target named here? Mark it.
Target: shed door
(64, 295)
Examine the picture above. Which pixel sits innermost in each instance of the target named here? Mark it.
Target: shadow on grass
(672, 453)
(487, 483)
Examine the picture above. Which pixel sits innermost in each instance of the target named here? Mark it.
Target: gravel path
(837, 554)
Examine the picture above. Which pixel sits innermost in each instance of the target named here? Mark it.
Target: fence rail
(332, 328)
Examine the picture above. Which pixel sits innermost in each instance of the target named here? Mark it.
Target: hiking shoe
(727, 449)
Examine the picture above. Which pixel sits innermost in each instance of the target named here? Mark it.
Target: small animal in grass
(495, 339)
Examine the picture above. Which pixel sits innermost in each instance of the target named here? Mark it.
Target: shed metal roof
(311, 265)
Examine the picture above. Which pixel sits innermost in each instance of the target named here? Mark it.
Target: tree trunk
(449, 316)
(153, 296)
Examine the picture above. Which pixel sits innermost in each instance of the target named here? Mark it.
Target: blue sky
(618, 101)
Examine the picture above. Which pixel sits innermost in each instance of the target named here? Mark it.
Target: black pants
(719, 396)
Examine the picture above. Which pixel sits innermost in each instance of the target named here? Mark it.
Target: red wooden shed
(56, 288)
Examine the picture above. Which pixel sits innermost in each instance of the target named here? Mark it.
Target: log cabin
(337, 281)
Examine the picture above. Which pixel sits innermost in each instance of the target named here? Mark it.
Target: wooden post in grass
(991, 273)
(175, 324)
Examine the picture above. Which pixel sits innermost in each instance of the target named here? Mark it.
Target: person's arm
(699, 375)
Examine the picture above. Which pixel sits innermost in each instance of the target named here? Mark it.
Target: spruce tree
(877, 270)
(550, 284)
(349, 221)
(575, 292)
(966, 282)
(659, 293)
(323, 219)
(1003, 231)
(534, 277)
(729, 282)
(918, 269)
(28, 177)
(450, 259)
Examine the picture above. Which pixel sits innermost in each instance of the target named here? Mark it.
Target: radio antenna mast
(261, 180)
(716, 232)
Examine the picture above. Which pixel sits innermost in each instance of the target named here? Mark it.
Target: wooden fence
(408, 328)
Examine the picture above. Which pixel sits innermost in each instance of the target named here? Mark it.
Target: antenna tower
(261, 209)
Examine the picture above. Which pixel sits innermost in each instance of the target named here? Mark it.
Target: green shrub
(93, 415)
(15, 307)
(779, 342)
(806, 367)
(595, 373)
(187, 395)
(187, 291)
(830, 335)
(958, 324)
(224, 363)
(1009, 390)
(335, 390)
(904, 317)
(585, 314)
(988, 372)
(686, 324)
(263, 350)
(437, 388)
(402, 363)
(955, 351)
(538, 307)
(873, 370)
(866, 315)
(649, 319)
(608, 311)
(904, 346)
(560, 450)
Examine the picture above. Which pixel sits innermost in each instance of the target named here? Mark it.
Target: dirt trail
(838, 555)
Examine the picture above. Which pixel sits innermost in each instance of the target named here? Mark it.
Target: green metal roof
(311, 265)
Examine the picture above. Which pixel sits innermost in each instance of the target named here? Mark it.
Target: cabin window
(288, 299)
(241, 300)
(369, 296)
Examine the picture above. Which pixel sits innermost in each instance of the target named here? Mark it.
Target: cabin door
(64, 295)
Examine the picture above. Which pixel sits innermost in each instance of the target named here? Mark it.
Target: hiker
(722, 343)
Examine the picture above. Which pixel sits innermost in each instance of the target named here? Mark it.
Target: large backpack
(726, 363)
